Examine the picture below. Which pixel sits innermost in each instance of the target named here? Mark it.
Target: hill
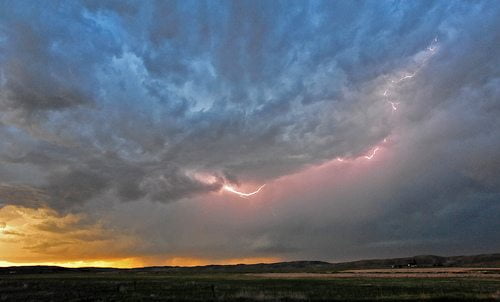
(483, 260)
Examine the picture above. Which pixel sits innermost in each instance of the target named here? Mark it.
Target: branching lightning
(391, 85)
(387, 95)
(387, 92)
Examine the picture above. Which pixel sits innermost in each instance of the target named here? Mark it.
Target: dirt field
(434, 272)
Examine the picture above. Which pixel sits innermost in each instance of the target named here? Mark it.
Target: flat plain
(432, 272)
(452, 284)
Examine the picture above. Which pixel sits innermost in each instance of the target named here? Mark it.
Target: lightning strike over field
(231, 189)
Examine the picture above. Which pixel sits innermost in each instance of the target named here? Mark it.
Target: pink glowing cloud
(206, 178)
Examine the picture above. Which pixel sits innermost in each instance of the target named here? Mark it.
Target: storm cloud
(119, 105)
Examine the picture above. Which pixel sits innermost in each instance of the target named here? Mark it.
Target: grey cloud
(43, 66)
(433, 189)
(118, 100)
(75, 186)
(24, 195)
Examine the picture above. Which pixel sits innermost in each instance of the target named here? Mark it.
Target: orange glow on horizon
(137, 262)
(186, 261)
(123, 263)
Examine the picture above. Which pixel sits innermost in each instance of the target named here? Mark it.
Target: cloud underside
(125, 105)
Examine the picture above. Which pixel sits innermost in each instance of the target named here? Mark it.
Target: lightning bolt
(231, 189)
(387, 92)
(394, 105)
(373, 153)
(433, 46)
(210, 179)
(405, 77)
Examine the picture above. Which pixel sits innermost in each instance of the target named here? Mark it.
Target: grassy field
(240, 287)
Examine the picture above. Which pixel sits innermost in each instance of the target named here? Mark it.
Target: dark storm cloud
(44, 66)
(236, 88)
(25, 195)
(130, 99)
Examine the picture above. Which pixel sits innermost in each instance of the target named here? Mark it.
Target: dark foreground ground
(140, 286)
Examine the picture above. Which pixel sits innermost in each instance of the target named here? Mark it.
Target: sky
(137, 133)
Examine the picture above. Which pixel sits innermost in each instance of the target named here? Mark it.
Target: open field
(431, 272)
(429, 278)
(359, 286)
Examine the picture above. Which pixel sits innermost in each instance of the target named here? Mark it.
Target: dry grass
(258, 287)
(433, 272)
